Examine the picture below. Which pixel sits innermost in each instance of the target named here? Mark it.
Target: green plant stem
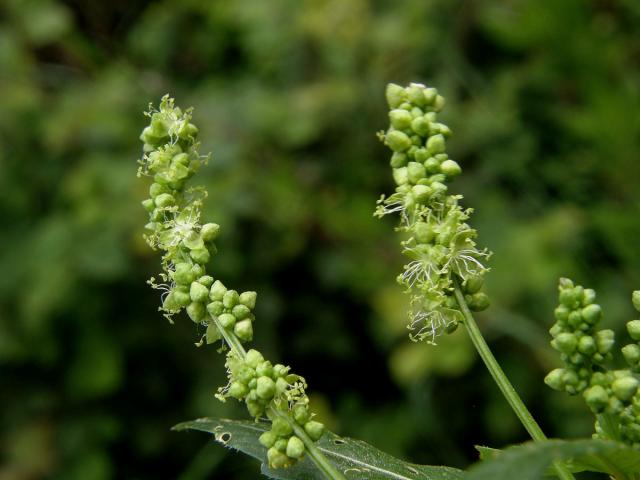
(324, 465)
(501, 379)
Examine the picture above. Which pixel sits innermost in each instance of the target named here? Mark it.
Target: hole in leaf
(339, 442)
(223, 437)
(413, 470)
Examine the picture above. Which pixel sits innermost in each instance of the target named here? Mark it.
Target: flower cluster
(612, 395)
(171, 157)
(440, 244)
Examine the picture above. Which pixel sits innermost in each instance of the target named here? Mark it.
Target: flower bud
(473, 284)
(196, 311)
(575, 319)
(439, 103)
(450, 168)
(209, 231)
(295, 447)
(587, 345)
(592, 313)
(421, 126)
(281, 427)
(423, 232)
(625, 388)
(554, 379)
(588, 296)
(248, 299)
(183, 275)
(215, 308)
(213, 334)
(395, 95)
(238, 390)
(281, 385)
(415, 172)
(230, 299)
(241, 312)
(436, 144)
(267, 439)
(565, 343)
(421, 193)
(217, 291)
(280, 370)
(596, 398)
(479, 302)
(200, 255)
(400, 119)
(277, 459)
(569, 297)
(265, 369)
(635, 298)
(227, 320)
(633, 327)
(265, 388)
(148, 205)
(198, 292)
(165, 200)
(253, 358)
(605, 340)
(314, 429)
(631, 354)
(181, 296)
(561, 313)
(399, 160)
(301, 414)
(398, 141)
(244, 330)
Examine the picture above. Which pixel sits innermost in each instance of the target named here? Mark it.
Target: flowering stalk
(612, 395)
(444, 277)
(171, 158)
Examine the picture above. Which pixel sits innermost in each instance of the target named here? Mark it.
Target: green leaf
(532, 460)
(356, 459)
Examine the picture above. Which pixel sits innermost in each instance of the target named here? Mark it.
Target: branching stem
(501, 379)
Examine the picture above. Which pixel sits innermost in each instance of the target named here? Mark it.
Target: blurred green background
(543, 99)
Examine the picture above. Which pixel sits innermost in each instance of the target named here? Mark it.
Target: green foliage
(357, 460)
(531, 461)
(545, 127)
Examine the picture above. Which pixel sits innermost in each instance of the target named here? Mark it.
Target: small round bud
(253, 358)
(635, 299)
(395, 95)
(596, 398)
(575, 319)
(277, 459)
(592, 313)
(281, 385)
(450, 168)
(399, 160)
(295, 447)
(198, 292)
(200, 255)
(238, 390)
(281, 427)
(148, 205)
(265, 369)
(605, 340)
(631, 354)
(301, 414)
(230, 299)
(265, 388)
(165, 200)
(568, 297)
(227, 320)
(196, 311)
(588, 296)
(625, 388)
(213, 334)
(415, 172)
(565, 343)
(281, 444)
(217, 291)
(157, 189)
(255, 409)
(587, 345)
(561, 313)
(479, 301)
(398, 141)
(400, 175)
(181, 297)
(439, 103)
(207, 281)
(421, 193)
(215, 308)
(473, 284)
(421, 126)
(183, 274)
(267, 439)
(314, 429)
(244, 330)
(241, 312)
(423, 232)
(248, 299)
(280, 370)
(436, 144)
(209, 231)
(633, 327)
(400, 119)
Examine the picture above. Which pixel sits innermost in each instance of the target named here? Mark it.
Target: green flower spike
(171, 158)
(440, 244)
(612, 395)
